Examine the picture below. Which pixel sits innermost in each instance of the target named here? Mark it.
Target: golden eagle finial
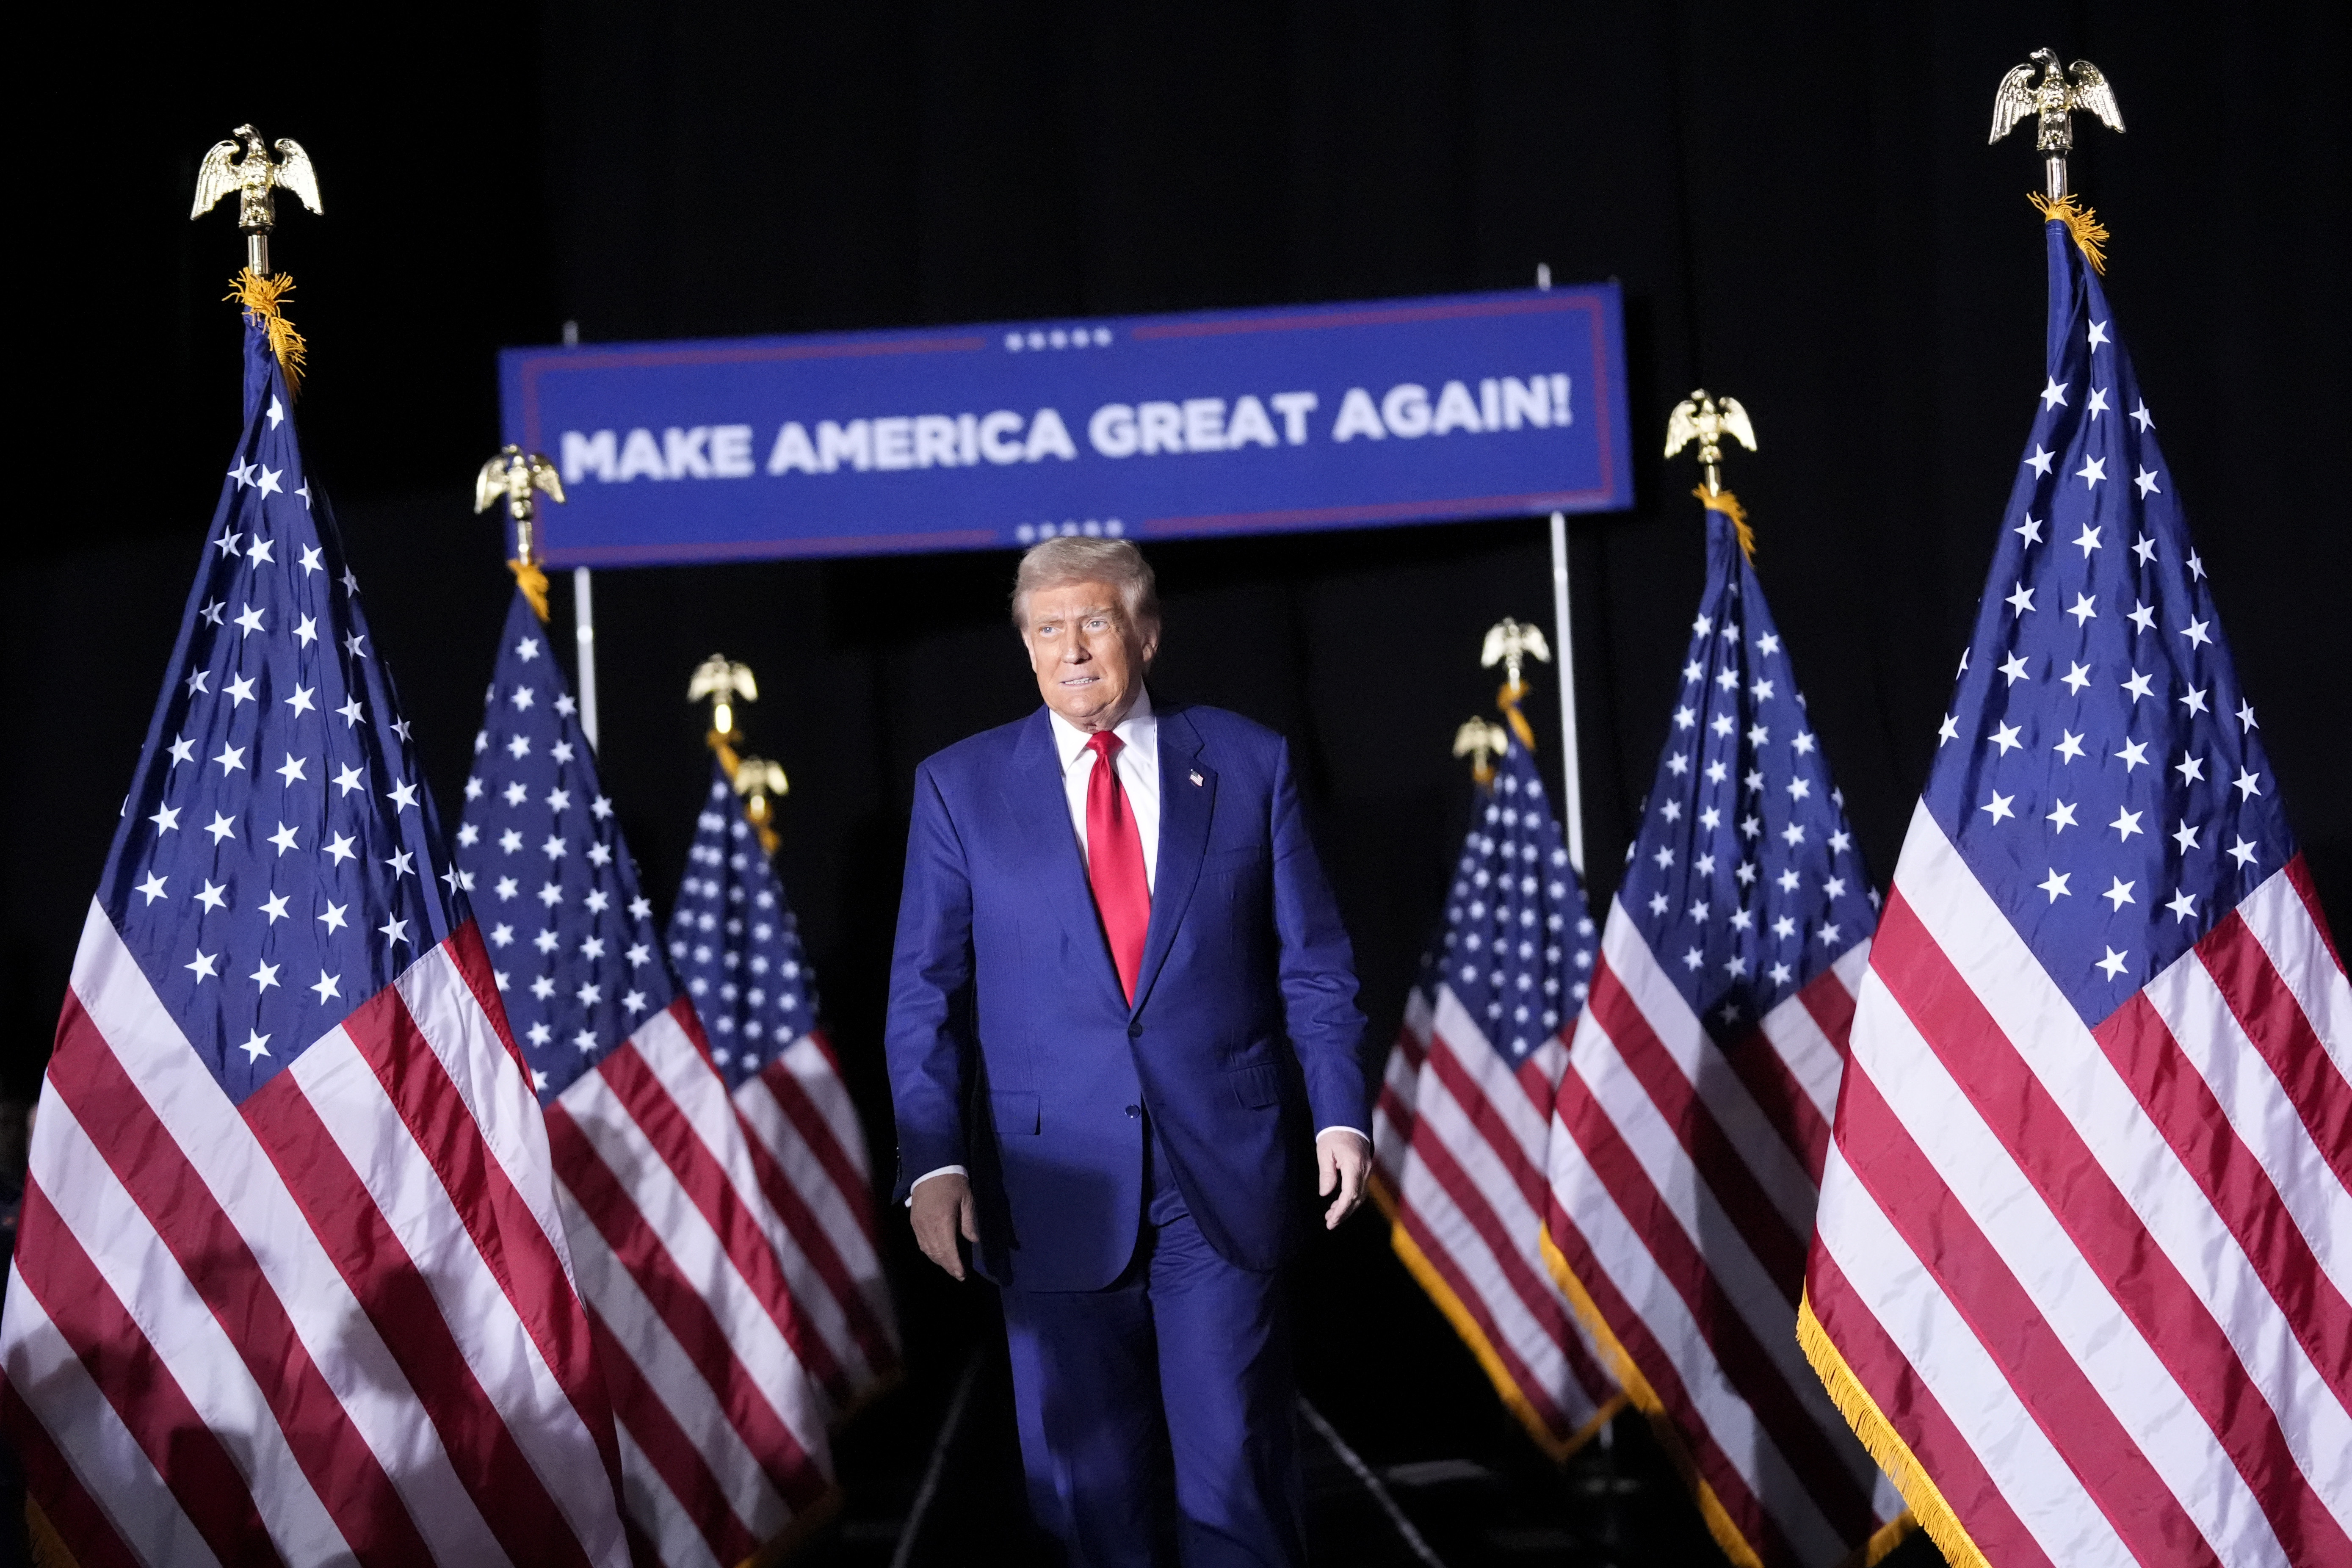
(1482, 740)
(512, 476)
(759, 782)
(1707, 419)
(1510, 644)
(2054, 101)
(722, 680)
(255, 178)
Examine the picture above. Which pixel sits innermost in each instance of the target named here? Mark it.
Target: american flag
(2085, 1236)
(1466, 1099)
(291, 1284)
(698, 1333)
(1689, 1130)
(733, 939)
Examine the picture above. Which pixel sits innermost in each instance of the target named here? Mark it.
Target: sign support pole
(1571, 787)
(584, 621)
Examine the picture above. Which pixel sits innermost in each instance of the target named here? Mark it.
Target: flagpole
(1572, 785)
(583, 632)
(1571, 782)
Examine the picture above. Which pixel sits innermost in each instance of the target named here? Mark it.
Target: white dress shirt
(1138, 762)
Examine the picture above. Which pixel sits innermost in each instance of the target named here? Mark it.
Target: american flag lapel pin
(1195, 776)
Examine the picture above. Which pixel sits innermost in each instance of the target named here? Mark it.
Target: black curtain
(1798, 202)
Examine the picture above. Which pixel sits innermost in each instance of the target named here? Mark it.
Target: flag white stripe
(1498, 1085)
(1528, 1338)
(1762, 1148)
(2276, 914)
(1890, 1282)
(1796, 1038)
(2072, 1300)
(809, 1066)
(2258, 1112)
(1708, 1229)
(677, 1541)
(766, 1118)
(185, 1337)
(1623, 1255)
(820, 1308)
(349, 1103)
(218, 1144)
(641, 1333)
(91, 1438)
(701, 1097)
(699, 1256)
(1390, 1139)
(1977, 940)
(490, 1083)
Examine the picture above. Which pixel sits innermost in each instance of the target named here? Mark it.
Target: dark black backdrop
(1798, 201)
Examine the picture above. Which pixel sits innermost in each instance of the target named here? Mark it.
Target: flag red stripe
(504, 1229)
(1539, 1299)
(2042, 1373)
(683, 1308)
(2182, 1105)
(191, 1456)
(865, 1326)
(1720, 1163)
(2274, 1021)
(1786, 1105)
(72, 1512)
(1714, 1467)
(823, 1359)
(1746, 1366)
(2298, 875)
(1470, 1096)
(703, 1180)
(393, 1293)
(2047, 1147)
(706, 1186)
(1825, 996)
(857, 1183)
(815, 1130)
(1907, 1402)
(222, 1269)
(670, 1451)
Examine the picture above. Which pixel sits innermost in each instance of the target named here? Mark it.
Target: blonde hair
(1079, 559)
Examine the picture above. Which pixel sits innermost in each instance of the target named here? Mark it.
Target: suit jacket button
(1135, 1031)
(1135, 1110)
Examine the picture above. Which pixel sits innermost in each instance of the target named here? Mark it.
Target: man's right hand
(941, 1210)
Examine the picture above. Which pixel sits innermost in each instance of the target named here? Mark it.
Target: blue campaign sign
(1144, 427)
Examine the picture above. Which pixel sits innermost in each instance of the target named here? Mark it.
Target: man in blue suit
(1122, 1013)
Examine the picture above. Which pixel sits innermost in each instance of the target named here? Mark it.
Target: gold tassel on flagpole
(1727, 503)
(263, 298)
(2081, 222)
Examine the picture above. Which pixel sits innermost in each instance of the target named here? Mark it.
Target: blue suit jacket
(1014, 1054)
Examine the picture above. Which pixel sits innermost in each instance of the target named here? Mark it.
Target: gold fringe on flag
(533, 584)
(263, 298)
(2081, 222)
(1508, 699)
(1928, 1507)
(1728, 505)
(1416, 1262)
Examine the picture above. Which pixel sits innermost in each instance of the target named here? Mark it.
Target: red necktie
(1115, 862)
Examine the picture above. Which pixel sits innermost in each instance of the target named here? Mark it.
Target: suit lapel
(1185, 807)
(1036, 799)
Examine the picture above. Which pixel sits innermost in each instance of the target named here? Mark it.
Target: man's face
(1090, 660)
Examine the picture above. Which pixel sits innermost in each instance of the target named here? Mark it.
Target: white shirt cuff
(1357, 1130)
(926, 1175)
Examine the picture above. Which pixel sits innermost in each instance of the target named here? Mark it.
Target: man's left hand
(1345, 1159)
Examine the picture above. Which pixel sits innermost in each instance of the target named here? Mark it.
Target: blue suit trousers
(1156, 1415)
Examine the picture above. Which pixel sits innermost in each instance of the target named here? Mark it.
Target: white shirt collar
(1139, 727)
